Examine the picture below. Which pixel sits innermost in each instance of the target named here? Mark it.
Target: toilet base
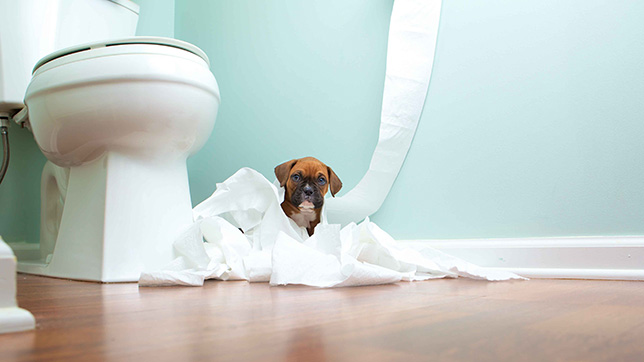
(121, 216)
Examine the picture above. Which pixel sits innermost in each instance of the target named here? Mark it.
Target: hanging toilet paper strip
(413, 32)
(272, 248)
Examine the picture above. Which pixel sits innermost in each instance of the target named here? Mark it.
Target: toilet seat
(112, 47)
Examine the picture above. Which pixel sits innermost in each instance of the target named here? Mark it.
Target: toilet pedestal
(121, 216)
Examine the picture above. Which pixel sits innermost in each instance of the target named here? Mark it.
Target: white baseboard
(604, 257)
(25, 251)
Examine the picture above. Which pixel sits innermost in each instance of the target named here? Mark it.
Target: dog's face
(306, 181)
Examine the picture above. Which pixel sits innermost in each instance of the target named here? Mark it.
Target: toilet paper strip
(413, 32)
(241, 233)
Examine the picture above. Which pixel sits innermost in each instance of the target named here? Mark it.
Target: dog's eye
(321, 181)
(295, 178)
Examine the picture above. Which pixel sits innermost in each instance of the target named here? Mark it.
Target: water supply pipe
(4, 132)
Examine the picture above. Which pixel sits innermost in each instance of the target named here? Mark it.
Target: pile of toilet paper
(272, 248)
(241, 233)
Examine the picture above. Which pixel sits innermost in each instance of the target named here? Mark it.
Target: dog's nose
(308, 190)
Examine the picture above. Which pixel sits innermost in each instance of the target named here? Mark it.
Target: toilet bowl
(117, 120)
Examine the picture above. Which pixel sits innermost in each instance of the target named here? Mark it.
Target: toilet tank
(31, 29)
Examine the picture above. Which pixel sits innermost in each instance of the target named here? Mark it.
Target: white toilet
(116, 116)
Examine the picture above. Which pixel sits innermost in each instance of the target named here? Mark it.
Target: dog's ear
(281, 171)
(334, 182)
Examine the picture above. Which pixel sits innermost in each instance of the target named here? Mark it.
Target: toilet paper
(413, 32)
(241, 233)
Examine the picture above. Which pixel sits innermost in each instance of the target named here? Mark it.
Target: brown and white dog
(306, 181)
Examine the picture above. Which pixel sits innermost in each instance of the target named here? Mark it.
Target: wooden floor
(442, 320)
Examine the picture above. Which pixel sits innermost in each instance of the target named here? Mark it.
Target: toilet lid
(133, 40)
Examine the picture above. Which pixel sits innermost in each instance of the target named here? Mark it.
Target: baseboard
(25, 251)
(603, 257)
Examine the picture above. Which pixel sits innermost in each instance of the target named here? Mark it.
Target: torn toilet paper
(413, 35)
(272, 248)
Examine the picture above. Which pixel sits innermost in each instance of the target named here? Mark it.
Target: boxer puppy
(306, 181)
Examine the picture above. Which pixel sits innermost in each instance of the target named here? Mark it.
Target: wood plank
(460, 319)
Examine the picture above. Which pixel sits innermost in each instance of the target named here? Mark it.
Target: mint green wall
(297, 78)
(20, 190)
(533, 124)
(156, 18)
(531, 128)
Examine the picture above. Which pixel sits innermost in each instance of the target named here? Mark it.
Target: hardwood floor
(442, 320)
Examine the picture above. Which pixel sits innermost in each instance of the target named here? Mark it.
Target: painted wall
(297, 78)
(156, 18)
(531, 127)
(20, 189)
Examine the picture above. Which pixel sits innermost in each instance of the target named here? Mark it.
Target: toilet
(116, 116)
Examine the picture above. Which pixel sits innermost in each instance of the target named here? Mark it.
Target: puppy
(306, 181)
